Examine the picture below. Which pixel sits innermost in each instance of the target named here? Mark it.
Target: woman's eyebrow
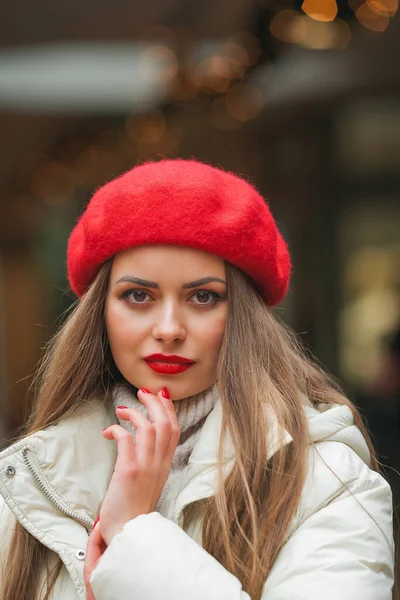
(152, 284)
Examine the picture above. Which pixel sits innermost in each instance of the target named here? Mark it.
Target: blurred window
(370, 288)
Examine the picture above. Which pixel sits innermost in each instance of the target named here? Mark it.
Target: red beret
(182, 202)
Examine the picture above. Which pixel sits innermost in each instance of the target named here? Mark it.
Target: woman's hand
(95, 549)
(142, 467)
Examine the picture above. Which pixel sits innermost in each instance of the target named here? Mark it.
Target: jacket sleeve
(344, 550)
(153, 558)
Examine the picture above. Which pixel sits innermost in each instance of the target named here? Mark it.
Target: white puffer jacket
(339, 546)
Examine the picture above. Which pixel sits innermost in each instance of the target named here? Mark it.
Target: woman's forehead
(163, 258)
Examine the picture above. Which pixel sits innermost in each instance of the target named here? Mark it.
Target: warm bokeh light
(244, 104)
(235, 53)
(214, 73)
(218, 67)
(342, 34)
(281, 25)
(320, 10)
(371, 19)
(289, 26)
(183, 88)
(321, 36)
(385, 8)
(164, 57)
(250, 43)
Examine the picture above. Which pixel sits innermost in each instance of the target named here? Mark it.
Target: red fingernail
(165, 393)
(145, 391)
(122, 406)
(96, 521)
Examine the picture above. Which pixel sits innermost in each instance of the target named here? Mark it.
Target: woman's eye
(204, 296)
(135, 296)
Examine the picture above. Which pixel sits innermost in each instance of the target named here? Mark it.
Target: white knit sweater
(191, 413)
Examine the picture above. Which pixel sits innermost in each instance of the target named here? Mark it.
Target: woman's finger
(126, 454)
(160, 419)
(155, 408)
(94, 551)
(145, 434)
(175, 429)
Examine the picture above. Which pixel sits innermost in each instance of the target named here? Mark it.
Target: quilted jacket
(339, 544)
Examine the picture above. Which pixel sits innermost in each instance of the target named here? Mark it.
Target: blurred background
(301, 97)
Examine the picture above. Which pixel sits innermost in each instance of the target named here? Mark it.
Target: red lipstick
(169, 364)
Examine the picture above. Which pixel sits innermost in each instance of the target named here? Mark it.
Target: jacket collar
(72, 459)
(76, 463)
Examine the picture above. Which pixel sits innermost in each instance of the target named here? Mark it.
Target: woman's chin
(177, 390)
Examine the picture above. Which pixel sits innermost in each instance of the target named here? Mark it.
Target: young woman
(182, 446)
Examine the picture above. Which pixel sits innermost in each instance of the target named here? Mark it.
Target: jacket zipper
(87, 523)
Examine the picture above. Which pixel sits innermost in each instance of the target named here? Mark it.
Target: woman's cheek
(220, 323)
(121, 334)
(215, 333)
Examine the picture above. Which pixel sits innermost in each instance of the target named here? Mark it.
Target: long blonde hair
(260, 363)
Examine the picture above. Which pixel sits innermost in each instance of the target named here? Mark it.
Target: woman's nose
(169, 325)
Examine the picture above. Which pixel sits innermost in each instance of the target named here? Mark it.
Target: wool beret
(184, 202)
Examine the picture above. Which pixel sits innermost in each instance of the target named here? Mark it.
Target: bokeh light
(244, 104)
(320, 10)
(385, 8)
(291, 27)
(370, 19)
(282, 23)
(165, 60)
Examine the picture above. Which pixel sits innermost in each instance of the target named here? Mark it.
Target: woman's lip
(168, 368)
(172, 358)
